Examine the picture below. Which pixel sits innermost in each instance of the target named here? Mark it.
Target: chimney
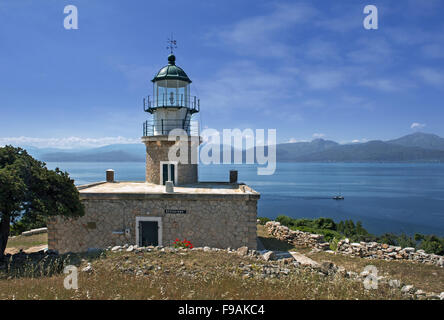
(233, 176)
(110, 175)
(169, 187)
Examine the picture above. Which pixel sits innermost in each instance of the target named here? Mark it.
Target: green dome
(171, 72)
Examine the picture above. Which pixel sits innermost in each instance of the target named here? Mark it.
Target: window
(168, 172)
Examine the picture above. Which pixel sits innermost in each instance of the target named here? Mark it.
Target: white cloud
(294, 140)
(433, 51)
(431, 76)
(388, 85)
(318, 135)
(324, 79)
(417, 125)
(258, 35)
(66, 143)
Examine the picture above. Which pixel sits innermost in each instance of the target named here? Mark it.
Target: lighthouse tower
(171, 107)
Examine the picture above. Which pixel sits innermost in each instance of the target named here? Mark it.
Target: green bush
(334, 244)
(333, 232)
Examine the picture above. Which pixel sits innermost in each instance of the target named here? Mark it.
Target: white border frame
(161, 170)
(159, 232)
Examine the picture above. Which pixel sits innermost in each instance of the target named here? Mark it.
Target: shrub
(334, 244)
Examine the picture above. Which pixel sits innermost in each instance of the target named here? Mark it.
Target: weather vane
(172, 44)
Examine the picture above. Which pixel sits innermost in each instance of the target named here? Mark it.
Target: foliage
(334, 244)
(29, 193)
(431, 244)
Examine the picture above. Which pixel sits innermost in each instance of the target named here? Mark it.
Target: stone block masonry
(214, 220)
(157, 149)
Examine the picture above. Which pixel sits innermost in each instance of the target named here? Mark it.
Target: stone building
(171, 203)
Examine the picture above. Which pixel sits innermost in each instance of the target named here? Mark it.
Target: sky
(308, 69)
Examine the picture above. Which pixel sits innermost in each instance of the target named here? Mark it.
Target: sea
(385, 197)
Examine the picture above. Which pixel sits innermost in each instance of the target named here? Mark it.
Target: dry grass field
(193, 274)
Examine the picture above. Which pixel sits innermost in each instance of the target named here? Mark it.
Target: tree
(28, 189)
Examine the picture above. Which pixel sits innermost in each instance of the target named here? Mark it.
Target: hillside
(373, 151)
(420, 140)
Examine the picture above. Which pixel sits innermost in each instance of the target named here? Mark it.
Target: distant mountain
(414, 147)
(421, 140)
(291, 151)
(111, 153)
(373, 151)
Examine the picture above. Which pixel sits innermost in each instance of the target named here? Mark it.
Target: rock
(88, 268)
(440, 262)
(130, 249)
(206, 249)
(269, 255)
(394, 283)
(303, 260)
(116, 248)
(441, 295)
(242, 251)
(328, 267)
(409, 250)
(408, 289)
(385, 246)
(420, 293)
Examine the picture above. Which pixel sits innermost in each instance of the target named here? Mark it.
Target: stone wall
(216, 221)
(362, 249)
(157, 149)
(295, 237)
(387, 252)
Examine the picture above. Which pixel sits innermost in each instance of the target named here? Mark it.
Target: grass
(188, 275)
(27, 242)
(192, 275)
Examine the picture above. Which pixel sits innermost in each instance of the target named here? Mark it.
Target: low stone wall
(35, 231)
(372, 250)
(387, 252)
(296, 237)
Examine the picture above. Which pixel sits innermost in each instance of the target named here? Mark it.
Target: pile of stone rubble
(372, 250)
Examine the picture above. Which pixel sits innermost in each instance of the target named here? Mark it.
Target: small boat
(338, 198)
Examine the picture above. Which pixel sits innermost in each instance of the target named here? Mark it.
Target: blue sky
(307, 68)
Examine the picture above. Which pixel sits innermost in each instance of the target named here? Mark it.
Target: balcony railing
(171, 101)
(164, 127)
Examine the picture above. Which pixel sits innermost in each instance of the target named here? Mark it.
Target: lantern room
(171, 104)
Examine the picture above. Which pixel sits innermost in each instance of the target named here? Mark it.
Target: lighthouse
(153, 212)
(171, 108)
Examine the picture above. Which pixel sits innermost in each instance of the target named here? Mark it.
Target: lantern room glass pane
(171, 93)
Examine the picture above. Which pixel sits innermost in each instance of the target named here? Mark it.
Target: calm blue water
(385, 197)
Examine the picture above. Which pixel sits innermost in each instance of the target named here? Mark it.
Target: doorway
(149, 231)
